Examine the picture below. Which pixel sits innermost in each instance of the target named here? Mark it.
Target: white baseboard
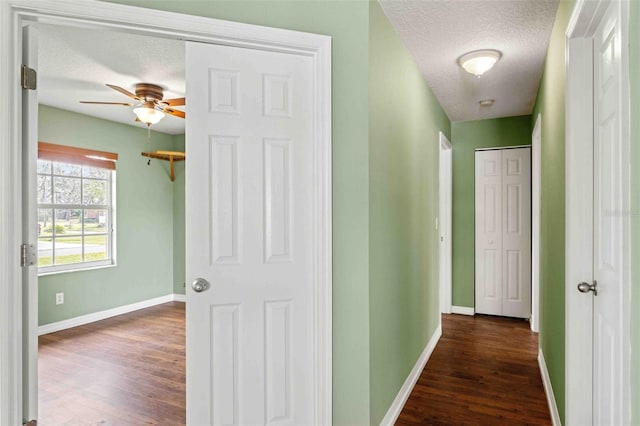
(548, 390)
(398, 403)
(463, 310)
(97, 316)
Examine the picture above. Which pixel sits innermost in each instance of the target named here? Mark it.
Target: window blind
(73, 155)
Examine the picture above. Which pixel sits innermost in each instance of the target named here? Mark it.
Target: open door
(29, 261)
(249, 237)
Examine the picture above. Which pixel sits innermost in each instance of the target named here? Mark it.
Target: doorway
(446, 170)
(503, 232)
(17, 405)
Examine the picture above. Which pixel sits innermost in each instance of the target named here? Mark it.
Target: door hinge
(28, 78)
(31, 423)
(28, 255)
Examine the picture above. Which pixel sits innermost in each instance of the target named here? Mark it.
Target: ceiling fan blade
(123, 91)
(175, 112)
(174, 102)
(106, 103)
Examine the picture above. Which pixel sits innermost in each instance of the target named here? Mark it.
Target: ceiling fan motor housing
(149, 92)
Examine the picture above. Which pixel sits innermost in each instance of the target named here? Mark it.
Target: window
(75, 208)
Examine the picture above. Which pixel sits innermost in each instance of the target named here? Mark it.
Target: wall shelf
(170, 156)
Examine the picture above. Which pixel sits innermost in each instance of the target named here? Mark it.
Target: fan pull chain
(149, 142)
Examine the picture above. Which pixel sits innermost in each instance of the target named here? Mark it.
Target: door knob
(586, 287)
(199, 285)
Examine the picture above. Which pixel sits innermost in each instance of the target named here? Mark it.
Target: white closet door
(516, 233)
(503, 232)
(489, 232)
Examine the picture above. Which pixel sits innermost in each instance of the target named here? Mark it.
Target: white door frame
(445, 220)
(96, 14)
(585, 19)
(536, 173)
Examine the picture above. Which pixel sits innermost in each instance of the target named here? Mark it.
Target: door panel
(249, 216)
(29, 231)
(516, 237)
(489, 232)
(611, 226)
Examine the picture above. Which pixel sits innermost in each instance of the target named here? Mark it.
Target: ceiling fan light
(148, 115)
(479, 61)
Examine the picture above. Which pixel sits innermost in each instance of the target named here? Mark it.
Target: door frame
(536, 174)
(445, 221)
(150, 22)
(579, 163)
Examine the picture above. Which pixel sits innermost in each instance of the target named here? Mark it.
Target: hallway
(484, 371)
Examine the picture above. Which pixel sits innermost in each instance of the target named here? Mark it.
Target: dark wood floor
(484, 371)
(125, 370)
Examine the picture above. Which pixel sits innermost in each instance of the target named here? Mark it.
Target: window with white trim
(76, 190)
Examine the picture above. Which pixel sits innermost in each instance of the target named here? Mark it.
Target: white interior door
(249, 234)
(29, 233)
(611, 227)
(445, 223)
(516, 233)
(488, 253)
(503, 232)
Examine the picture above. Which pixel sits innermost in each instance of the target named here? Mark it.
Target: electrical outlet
(59, 298)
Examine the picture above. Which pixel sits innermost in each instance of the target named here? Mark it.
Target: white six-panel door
(611, 226)
(249, 214)
(503, 232)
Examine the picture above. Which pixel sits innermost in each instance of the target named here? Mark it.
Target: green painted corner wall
(404, 121)
(144, 220)
(179, 276)
(347, 23)
(550, 104)
(634, 71)
(466, 137)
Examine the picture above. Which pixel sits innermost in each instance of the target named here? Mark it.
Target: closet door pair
(503, 232)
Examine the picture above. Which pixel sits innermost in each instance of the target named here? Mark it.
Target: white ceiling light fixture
(148, 114)
(479, 61)
(486, 102)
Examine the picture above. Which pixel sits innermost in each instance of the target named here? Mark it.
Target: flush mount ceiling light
(479, 61)
(486, 102)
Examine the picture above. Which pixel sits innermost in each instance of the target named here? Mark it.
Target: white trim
(548, 390)
(108, 313)
(445, 220)
(463, 310)
(536, 173)
(405, 391)
(98, 14)
(179, 297)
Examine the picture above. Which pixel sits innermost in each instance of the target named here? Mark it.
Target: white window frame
(109, 233)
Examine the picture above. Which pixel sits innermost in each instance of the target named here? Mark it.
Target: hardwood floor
(484, 371)
(125, 370)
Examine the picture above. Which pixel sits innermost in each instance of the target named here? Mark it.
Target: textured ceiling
(438, 32)
(75, 63)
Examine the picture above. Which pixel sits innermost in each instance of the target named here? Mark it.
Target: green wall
(179, 277)
(550, 103)
(634, 72)
(347, 22)
(404, 121)
(466, 137)
(144, 220)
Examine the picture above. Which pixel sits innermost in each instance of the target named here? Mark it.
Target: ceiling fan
(151, 105)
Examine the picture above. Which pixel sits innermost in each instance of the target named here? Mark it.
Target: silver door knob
(586, 288)
(199, 285)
